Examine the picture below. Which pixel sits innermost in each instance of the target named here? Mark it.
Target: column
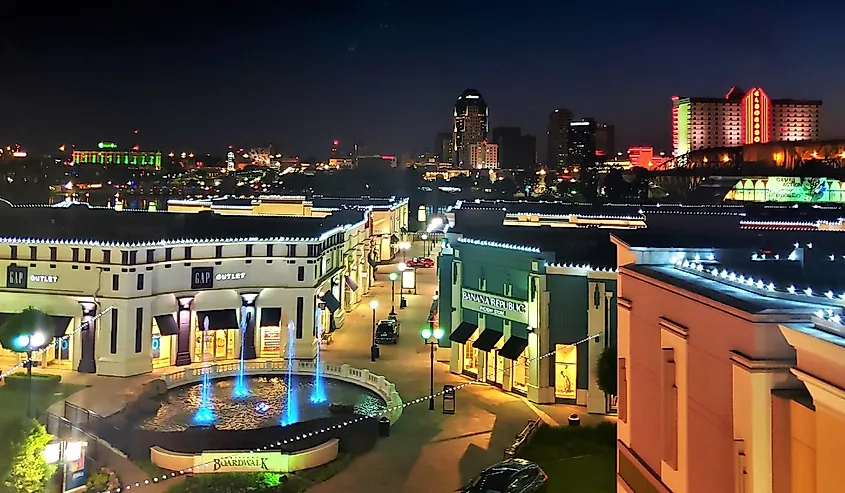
(183, 338)
(248, 324)
(597, 321)
(87, 363)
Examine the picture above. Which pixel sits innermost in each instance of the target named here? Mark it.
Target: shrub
(22, 465)
(606, 371)
(41, 382)
(98, 481)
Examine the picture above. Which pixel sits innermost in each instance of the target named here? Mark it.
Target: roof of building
(736, 296)
(82, 223)
(323, 201)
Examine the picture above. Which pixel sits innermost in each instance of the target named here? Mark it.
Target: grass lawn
(577, 460)
(15, 400)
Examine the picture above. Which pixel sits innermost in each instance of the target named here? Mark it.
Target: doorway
(495, 368)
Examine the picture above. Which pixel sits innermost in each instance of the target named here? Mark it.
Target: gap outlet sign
(202, 277)
(495, 305)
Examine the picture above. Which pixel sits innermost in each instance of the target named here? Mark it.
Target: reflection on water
(263, 407)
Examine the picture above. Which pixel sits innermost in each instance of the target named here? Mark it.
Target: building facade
(741, 118)
(193, 295)
(517, 321)
(730, 378)
(113, 156)
(469, 125)
(484, 155)
(557, 134)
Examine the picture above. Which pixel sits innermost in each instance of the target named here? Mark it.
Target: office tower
(516, 151)
(484, 155)
(443, 147)
(469, 125)
(605, 140)
(557, 138)
(741, 118)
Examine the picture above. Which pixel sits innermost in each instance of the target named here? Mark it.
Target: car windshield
(495, 481)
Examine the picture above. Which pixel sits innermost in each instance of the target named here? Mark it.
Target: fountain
(205, 413)
(291, 414)
(241, 389)
(318, 394)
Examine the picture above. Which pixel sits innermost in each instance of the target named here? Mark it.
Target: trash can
(574, 420)
(383, 427)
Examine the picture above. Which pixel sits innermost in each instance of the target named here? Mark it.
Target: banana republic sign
(497, 306)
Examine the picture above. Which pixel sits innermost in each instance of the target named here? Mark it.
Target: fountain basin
(375, 383)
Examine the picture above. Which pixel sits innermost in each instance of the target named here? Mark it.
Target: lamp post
(431, 336)
(404, 246)
(374, 348)
(424, 238)
(393, 276)
(30, 343)
(63, 452)
(402, 268)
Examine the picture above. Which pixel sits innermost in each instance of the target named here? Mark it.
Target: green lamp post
(432, 337)
(393, 276)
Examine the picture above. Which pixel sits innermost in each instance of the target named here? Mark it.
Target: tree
(23, 468)
(606, 371)
(16, 330)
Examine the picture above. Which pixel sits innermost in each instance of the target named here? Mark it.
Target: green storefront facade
(516, 319)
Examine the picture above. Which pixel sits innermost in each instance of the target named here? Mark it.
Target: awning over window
(271, 317)
(167, 325)
(217, 319)
(371, 261)
(513, 347)
(463, 332)
(331, 302)
(394, 239)
(60, 325)
(487, 339)
(351, 284)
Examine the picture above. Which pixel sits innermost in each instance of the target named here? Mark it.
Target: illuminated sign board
(230, 276)
(106, 145)
(16, 277)
(788, 189)
(202, 277)
(495, 305)
(43, 278)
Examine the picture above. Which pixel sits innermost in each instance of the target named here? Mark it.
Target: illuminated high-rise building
(469, 125)
(741, 118)
(484, 155)
(557, 134)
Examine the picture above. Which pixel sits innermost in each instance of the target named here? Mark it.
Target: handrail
(521, 438)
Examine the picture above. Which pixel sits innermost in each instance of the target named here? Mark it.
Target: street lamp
(402, 268)
(64, 452)
(404, 246)
(424, 238)
(393, 276)
(431, 338)
(374, 348)
(30, 343)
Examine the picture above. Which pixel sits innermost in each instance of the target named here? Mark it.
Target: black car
(387, 332)
(510, 476)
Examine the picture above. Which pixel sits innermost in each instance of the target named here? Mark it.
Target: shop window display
(520, 372)
(566, 371)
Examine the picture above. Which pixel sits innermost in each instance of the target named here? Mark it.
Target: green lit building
(113, 156)
(527, 308)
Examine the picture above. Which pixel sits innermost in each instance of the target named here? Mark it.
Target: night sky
(300, 74)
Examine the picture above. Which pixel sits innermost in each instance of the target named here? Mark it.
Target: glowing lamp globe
(22, 341)
(425, 333)
(438, 334)
(37, 340)
(374, 304)
(393, 276)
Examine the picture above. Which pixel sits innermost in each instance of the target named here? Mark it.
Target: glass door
(491, 367)
(221, 344)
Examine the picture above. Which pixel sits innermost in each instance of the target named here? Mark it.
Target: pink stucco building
(731, 362)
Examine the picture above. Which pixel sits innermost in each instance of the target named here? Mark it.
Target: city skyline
(201, 88)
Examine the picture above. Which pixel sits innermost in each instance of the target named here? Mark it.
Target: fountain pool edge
(362, 378)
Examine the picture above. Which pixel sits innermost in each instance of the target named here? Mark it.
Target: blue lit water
(318, 395)
(265, 406)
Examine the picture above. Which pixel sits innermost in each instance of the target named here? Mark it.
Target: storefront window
(566, 370)
(213, 345)
(161, 347)
(470, 357)
(271, 342)
(521, 371)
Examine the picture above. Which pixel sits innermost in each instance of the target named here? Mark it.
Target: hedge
(40, 381)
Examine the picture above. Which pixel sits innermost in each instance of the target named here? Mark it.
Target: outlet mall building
(185, 286)
(731, 359)
(528, 291)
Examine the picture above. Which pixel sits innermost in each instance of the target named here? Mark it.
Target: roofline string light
(279, 443)
(53, 343)
(494, 244)
(586, 267)
(750, 283)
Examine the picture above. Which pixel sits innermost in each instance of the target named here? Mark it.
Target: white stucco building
(175, 288)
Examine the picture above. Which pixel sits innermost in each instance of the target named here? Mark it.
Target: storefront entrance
(495, 368)
(216, 335)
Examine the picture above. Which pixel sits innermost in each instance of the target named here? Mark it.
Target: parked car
(387, 332)
(509, 476)
(423, 262)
